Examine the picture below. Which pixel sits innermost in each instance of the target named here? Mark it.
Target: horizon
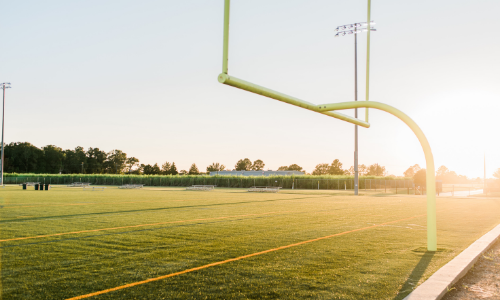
(229, 168)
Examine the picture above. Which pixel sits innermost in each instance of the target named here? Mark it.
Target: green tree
(165, 168)
(447, 176)
(419, 178)
(115, 163)
(173, 169)
(147, 169)
(292, 167)
(258, 165)
(243, 165)
(215, 167)
(75, 161)
(350, 171)
(376, 170)
(321, 169)
(336, 168)
(193, 170)
(81, 156)
(54, 157)
(130, 163)
(442, 172)
(96, 160)
(22, 158)
(295, 167)
(156, 169)
(497, 174)
(362, 170)
(411, 171)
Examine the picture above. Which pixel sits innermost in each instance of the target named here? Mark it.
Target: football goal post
(331, 110)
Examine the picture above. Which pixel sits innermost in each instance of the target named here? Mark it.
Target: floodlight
(342, 33)
(3, 86)
(354, 25)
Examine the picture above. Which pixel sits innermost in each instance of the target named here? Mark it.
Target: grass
(193, 229)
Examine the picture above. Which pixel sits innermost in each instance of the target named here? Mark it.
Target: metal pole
(356, 179)
(484, 180)
(430, 177)
(226, 37)
(3, 116)
(368, 58)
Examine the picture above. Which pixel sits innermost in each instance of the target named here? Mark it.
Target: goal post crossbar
(257, 89)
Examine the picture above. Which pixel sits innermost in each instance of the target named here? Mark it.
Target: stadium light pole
(355, 29)
(484, 175)
(5, 85)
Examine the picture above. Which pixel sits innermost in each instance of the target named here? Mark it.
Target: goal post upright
(368, 22)
(225, 51)
(330, 110)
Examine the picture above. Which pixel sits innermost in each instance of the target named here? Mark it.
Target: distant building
(256, 173)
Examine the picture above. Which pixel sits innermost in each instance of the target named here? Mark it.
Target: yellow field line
(73, 204)
(135, 226)
(232, 259)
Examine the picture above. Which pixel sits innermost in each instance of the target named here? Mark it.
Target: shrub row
(299, 182)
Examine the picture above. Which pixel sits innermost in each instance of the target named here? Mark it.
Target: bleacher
(264, 189)
(200, 187)
(131, 186)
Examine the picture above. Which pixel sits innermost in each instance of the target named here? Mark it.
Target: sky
(141, 76)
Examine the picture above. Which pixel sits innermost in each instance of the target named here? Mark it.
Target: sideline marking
(140, 225)
(90, 203)
(233, 259)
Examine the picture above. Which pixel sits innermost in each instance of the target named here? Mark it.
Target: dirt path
(482, 281)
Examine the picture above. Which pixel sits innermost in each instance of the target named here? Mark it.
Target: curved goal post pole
(429, 159)
(327, 109)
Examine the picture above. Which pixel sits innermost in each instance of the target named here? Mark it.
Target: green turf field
(67, 242)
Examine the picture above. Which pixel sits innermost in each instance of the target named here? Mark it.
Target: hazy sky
(141, 76)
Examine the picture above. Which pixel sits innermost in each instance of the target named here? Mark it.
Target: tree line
(27, 158)
(443, 174)
(335, 168)
(24, 157)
